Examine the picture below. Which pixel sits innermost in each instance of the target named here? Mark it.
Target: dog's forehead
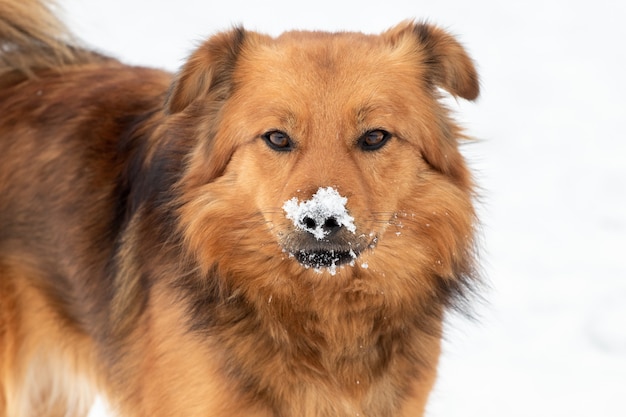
(326, 58)
(331, 70)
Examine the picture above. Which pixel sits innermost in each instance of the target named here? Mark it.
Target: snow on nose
(325, 213)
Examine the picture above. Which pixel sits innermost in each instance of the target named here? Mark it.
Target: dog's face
(327, 153)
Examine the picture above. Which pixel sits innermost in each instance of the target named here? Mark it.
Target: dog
(276, 230)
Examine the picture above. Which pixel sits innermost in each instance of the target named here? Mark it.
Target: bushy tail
(32, 38)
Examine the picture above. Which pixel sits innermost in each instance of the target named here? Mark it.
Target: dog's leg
(422, 385)
(8, 324)
(170, 372)
(42, 362)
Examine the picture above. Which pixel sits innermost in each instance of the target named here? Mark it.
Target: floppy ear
(208, 70)
(447, 64)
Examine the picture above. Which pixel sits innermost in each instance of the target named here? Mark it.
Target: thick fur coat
(146, 249)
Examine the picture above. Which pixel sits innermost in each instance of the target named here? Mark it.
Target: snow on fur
(324, 204)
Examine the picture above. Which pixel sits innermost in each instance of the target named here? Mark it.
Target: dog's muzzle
(324, 233)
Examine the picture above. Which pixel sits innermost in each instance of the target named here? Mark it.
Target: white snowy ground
(551, 337)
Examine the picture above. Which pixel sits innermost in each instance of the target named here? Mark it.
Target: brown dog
(277, 230)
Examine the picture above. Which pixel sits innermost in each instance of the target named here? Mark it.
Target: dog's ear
(209, 69)
(447, 65)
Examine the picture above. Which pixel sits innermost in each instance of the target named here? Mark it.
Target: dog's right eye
(277, 140)
(374, 139)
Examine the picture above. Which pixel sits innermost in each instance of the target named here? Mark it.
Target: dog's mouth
(328, 254)
(325, 259)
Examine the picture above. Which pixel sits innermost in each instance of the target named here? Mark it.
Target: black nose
(329, 225)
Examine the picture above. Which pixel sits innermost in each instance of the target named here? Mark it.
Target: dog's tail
(33, 38)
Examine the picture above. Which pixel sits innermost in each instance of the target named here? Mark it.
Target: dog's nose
(324, 214)
(329, 225)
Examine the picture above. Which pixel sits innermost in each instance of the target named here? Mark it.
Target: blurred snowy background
(550, 340)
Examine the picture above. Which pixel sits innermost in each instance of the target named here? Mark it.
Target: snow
(550, 157)
(325, 204)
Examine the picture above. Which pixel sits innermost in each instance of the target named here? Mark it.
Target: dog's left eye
(277, 140)
(374, 139)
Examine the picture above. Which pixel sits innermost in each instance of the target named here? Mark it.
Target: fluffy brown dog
(277, 230)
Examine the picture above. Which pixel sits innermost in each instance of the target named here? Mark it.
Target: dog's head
(326, 153)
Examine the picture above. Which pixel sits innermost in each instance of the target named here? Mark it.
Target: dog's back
(62, 110)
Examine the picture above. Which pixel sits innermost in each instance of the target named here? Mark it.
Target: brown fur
(143, 244)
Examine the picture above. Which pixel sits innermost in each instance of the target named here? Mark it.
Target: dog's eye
(374, 139)
(277, 140)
